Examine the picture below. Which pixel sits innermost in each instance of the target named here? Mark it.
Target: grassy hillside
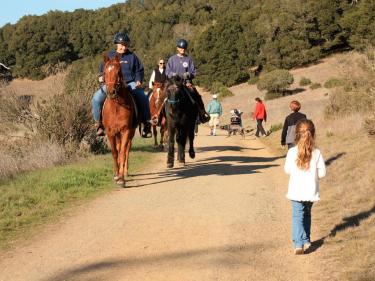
(343, 221)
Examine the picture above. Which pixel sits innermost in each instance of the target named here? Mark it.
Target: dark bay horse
(157, 101)
(117, 118)
(181, 116)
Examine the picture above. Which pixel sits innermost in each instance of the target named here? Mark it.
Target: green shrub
(276, 81)
(333, 82)
(315, 86)
(219, 89)
(56, 125)
(304, 81)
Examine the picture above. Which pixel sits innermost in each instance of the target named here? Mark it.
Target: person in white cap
(214, 109)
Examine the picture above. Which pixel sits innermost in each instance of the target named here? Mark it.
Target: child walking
(305, 165)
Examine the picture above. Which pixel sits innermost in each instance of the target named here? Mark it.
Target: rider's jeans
(140, 98)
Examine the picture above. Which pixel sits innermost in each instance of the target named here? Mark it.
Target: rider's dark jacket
(131, 67)
(159, 77)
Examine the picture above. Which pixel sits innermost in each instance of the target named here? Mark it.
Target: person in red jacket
(260, 115)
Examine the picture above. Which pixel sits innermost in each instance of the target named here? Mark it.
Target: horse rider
(182, 65)
(158, 74)
(133, 73)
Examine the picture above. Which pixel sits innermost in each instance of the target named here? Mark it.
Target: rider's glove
(186, 75)
(101, 79)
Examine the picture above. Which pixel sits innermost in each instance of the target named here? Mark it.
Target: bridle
(174, 100)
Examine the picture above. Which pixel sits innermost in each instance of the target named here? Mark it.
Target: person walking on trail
(305, 165)
(182, 65)
(288, 134)
(133, 72)
(158, 74)
(215, 110)
(260, 115)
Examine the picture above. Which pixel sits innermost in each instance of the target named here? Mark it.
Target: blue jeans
(140, 98)
(301, 225)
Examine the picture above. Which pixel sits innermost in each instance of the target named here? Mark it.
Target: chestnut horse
(157, 102)
(181, 117)
(117, 117)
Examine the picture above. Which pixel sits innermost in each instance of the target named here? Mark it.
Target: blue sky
(12, 10)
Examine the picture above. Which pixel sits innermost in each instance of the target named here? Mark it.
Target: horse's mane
(174, 80)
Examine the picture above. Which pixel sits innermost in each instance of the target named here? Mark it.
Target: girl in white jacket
(305, 165)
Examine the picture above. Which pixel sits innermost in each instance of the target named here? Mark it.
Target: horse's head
(112, 75)
(159, 93)
(174, 91)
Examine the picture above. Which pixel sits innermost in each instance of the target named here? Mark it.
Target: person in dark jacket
(158, 75)
(133, 72)
(288, 134)
(182, 65)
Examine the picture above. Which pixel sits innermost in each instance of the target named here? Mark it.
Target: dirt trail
(224, 216)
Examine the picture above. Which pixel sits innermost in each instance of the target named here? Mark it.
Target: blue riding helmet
(121, 38)
(182, 43)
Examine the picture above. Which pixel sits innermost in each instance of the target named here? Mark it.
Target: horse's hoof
(120, 183)
(181, 162)
(169, 165)
(116, 178)
(192, 154)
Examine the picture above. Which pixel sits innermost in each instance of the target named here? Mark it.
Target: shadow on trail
(348, 222)
(219, 165)
(243, 159)
(225, 148)
(223, 256)
(334, 158)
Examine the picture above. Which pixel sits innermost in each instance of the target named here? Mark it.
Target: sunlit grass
(35, 197)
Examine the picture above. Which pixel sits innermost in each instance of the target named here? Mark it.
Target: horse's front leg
(112, 143)
(128, 147)
(191, 141)
(181, 142)
(171, 136)
(155, 133)
(161, 142)
(124, 139)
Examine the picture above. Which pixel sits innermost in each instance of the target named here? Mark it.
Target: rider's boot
(146, 133)
(203, 115)
(99, 129)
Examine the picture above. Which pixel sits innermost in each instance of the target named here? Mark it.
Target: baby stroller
(235, 125)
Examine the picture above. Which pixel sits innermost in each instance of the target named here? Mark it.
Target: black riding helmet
(182, 43)
(121, 38)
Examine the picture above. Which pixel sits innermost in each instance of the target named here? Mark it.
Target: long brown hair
(305, 140)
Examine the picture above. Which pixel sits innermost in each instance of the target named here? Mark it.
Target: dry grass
(21, 148)
(343, 221)
(21, 156)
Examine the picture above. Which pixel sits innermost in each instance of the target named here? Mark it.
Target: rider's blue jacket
(131, 67)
